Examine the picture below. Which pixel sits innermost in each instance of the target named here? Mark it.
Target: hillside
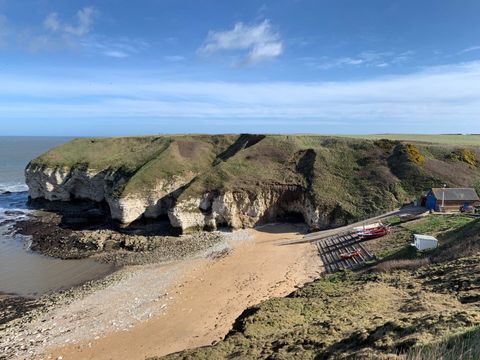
(403, 306)
(446, 139)
(202, 181)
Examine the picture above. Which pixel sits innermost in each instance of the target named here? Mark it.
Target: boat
(373, 232)
(350, 255)
(368, 227)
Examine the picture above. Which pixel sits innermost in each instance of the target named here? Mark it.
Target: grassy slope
(354, 176)
(466, 140)
(128, 154)
(464, 346)
(142, 159)
(369, 314)
(361, 177)
(183, 155)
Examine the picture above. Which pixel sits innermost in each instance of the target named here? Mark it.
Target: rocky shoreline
(17, 313)
(101, 242)
(106, 243)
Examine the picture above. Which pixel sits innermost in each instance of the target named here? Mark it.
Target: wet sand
(203, 297)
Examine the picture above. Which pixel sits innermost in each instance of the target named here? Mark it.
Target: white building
(424, 242)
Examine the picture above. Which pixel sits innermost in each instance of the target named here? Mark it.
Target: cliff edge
(207, 181)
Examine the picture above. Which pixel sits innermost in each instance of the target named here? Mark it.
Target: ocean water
(22, 271)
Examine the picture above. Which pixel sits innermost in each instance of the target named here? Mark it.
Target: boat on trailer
(372, 231)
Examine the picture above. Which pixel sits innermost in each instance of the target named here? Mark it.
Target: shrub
(465, 155)
(464, 346)
(412, 153)
(406, 163)
(386, 144)
(407, 264)
(476, 185)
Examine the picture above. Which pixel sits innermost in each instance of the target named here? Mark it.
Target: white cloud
(115, 53)
(84, 22)
(444, 97)
(175, 58)
(113, 47)
(365, 58)
(52, 22)
(59, 35)
(264, 52)
(339, 62)
(402, 57)
(260, 41)
(470, 49)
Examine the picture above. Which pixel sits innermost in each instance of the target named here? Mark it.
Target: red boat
(350, 255)
(374, 233)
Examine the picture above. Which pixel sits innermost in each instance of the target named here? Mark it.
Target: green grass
(347, 315)
(353, 176)
(396, 246)
(468, 140)
(346, 179)
(463, 346)
(128, 154)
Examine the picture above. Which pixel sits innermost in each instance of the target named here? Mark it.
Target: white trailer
(424, 242)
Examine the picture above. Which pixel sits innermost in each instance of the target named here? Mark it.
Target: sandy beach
(185, 304)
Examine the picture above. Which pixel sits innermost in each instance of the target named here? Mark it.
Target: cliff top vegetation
(355, 177)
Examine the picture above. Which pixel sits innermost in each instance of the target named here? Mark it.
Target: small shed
(424, 242)
(448, 199)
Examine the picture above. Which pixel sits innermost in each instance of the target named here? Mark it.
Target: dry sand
(207, 295)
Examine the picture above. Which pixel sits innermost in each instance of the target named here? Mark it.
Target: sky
(112, 67)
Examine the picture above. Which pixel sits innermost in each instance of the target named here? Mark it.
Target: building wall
(455, 205)
(435, 204)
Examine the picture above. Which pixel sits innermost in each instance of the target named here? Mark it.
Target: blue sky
(302, 66)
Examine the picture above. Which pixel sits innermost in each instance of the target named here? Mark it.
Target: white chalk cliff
(237, 209)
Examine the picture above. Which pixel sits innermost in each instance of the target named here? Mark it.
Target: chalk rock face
(65, 184)
(235, 209)
(188, 216)
(241, 209)
(152, 203)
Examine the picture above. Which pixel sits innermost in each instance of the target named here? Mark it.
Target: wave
(13, 187)
(13, 201)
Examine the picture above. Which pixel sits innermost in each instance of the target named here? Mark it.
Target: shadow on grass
(464, 346)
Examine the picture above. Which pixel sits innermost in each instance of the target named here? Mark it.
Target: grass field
(454, 139)
(465, 346)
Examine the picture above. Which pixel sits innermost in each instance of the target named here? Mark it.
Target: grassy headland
(344, 177)
(447, 139)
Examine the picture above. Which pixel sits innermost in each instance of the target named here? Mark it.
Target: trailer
(372, 231)
(342, 252)
(424, 242)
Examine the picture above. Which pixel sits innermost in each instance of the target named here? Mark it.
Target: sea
(22, 271)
